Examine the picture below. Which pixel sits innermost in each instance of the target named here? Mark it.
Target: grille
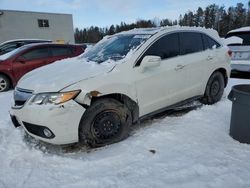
(21, 96)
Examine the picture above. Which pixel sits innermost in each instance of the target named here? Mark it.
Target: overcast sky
(106, 12)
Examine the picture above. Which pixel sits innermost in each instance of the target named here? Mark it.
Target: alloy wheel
(3, 84)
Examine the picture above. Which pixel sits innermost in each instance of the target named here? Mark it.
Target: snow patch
(242, 29)
(233, 40)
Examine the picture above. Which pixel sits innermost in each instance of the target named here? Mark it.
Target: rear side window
(165, 47)
(61, 51)
(37, 53)
(209, 43)
(190, 42)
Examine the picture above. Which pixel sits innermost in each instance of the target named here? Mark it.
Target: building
(38, 25)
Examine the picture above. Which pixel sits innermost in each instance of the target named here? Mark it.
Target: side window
(165, 47)
(190, 42)
(36, 54)
(209, 43)
(61, 51)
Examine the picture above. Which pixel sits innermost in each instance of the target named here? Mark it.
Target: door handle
(179, 67)
(209, 58)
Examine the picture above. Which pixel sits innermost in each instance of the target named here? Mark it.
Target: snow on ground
(191, 150)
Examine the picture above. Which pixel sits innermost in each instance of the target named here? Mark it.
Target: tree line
(213, 16)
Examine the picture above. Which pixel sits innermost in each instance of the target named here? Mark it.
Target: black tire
(106, 121)
(4, 83)
(214, 89)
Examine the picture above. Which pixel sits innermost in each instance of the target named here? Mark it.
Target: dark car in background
(15, 64)
(10, 45)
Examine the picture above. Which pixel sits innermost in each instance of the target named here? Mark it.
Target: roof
(33, 12)
(146, 31)
(152, 31)
(20, 40)
(48, 44)
(242, 29)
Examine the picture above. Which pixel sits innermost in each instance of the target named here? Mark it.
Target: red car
(16, 63)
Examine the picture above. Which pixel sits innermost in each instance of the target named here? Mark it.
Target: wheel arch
(122, 98)
(207, 99)
(224, 72)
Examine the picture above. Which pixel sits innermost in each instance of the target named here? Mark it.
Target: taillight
(230, 53)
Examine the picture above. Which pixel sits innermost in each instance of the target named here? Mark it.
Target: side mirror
(21, 59)
(150, 62)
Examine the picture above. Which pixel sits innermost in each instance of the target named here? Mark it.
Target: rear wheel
(4, 83)
(105, 122)
(214, 89)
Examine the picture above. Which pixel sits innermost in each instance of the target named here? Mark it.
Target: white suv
(96, 97)
(240, 50)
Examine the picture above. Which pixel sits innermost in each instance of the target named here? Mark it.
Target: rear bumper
(62, 120)
(242, 66)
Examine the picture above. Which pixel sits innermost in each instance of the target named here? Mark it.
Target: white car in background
(95, 98)
(239, 43)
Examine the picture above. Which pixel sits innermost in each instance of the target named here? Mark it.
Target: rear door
(29, 60)
(195, 60)
(59, 52)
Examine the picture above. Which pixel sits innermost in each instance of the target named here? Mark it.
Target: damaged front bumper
(56, 124)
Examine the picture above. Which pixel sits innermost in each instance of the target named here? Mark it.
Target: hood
(61, 74)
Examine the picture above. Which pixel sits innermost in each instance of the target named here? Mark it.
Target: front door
(161, 86)
(30, 60)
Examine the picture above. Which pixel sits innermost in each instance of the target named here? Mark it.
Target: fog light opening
(47, 132)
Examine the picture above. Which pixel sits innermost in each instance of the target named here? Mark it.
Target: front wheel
(214, 89)
(105, 122)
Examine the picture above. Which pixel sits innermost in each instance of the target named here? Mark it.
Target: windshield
(115, 48)
(243, 35)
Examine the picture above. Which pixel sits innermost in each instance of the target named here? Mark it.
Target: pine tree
(240, 15)
(224, 23)
(199, 18)
(190, 19)
(166, 22)
(231, 18)
(111, 30)
(248, 15)
(210, 16)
